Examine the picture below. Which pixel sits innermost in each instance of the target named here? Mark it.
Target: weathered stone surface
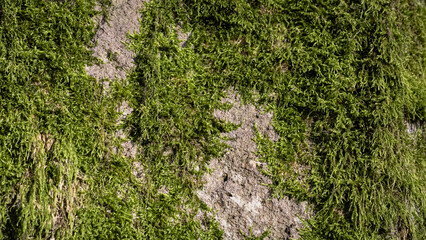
(236, 188)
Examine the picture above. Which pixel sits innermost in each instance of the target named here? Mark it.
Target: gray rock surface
(236, 190)
(111, 38)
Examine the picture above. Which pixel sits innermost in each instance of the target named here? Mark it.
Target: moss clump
(53, 117)
(344, 79)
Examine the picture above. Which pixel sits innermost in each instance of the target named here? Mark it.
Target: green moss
(53, 116)
(343, 78)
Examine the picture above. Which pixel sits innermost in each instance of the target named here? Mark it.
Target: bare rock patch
(111, 38)
(236, 189)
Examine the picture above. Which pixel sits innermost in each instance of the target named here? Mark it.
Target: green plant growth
(54, 120)
(173, 123)
(344, 78)
(62, 174)
(112, 56)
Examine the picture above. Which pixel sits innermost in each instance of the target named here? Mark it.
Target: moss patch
(343, 78)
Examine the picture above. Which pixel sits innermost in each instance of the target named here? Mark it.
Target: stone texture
(236, 190)
(111, 38)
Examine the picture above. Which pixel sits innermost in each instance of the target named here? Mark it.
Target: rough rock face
(235, 189)
(111, 36)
